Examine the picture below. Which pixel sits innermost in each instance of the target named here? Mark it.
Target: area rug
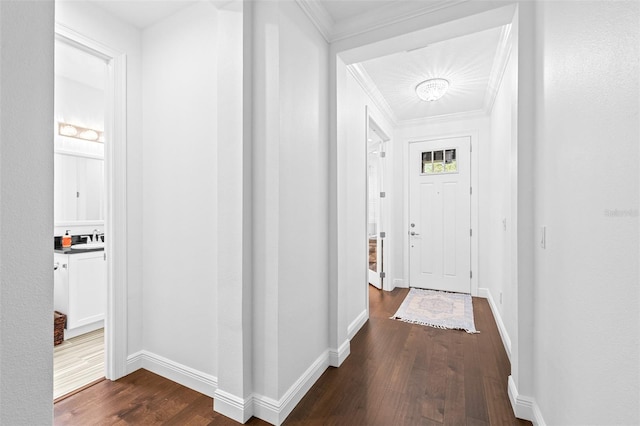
(437, 309)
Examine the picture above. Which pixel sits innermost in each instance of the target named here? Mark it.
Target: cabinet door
(65, 188)
(61, 283)
(87, 288)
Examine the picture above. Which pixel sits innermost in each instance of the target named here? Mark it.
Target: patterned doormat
(437, 309)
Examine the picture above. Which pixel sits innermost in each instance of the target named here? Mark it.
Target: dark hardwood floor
(397, 374)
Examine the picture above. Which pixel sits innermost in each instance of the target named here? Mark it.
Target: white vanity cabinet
(80, 290)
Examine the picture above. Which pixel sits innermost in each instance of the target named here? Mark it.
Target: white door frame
(473, 134)
(116, 193)
(384, 222)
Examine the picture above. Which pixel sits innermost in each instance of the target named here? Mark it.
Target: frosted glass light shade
(432, 89)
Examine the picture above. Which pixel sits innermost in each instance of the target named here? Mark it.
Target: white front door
(440, 214)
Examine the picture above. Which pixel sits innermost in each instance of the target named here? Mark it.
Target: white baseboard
(524, 407)
(357, 324)
(337, 356)
(179, 373)
(506, 341)
(276, 412)
(235, 408)
(398, 283)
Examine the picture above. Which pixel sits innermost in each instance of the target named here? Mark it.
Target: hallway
(397, 374)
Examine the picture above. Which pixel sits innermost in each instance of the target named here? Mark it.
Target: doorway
(440, 214)
(376, 196)
(109, 147)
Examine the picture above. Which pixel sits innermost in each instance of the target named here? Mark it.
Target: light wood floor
(397, 374)
(78, 362)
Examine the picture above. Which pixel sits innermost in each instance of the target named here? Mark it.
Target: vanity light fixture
(77, 132)
(432, 89)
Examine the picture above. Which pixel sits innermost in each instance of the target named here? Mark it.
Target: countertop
(75, 250)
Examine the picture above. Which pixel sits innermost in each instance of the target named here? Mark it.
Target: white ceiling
(341, 10)
(142, 13)
(467, 62)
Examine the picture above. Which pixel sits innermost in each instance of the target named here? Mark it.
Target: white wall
(179, 188)
(26, 212)
(94, 23)
(496, 221)
(586, 166)
(353, 105)
(303, 297)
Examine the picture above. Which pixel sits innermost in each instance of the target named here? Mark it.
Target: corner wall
(587, 332)
(353, 106)
(179, 198)
(26, 212)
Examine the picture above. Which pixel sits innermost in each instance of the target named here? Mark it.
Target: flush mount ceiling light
(432, 89)
(72, 131)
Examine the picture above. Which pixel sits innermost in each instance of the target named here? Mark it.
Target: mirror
(79, 194)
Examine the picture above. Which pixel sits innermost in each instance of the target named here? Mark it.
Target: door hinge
(470, 274)
(383, 234)
(382, 274)
(471, 190)
(471, 232)
(383, 194)
(383, 154)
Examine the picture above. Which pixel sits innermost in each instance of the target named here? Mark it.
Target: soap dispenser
(66, 240)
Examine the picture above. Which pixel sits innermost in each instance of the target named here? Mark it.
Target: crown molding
(318, 14)
(503, 52)
(466, 115)
(364, 80)
(392, 13)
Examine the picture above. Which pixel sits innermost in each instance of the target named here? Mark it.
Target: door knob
(413, 233)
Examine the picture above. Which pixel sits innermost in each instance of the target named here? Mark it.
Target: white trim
(277, 411)
(465, 115)
(232, 406)
(116, 190)
(357, 324)
(506, 341)
(500, 61)
(337, 356)
(174, 371)
(390, 14)
(524, 407)
(398, 283)
(318, 16)
(362, 77)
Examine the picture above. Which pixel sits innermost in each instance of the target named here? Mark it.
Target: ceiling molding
(364, 80)
(389, 14)
(503, 52)
(466, 115)
(319, 16)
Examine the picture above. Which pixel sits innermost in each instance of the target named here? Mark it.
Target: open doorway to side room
(80, 265)
(376, 144)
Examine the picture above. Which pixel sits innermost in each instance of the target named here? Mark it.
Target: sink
(87, 246)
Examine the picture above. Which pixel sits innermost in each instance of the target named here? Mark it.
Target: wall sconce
(83, 133)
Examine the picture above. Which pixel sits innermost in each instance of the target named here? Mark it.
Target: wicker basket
(59, 322)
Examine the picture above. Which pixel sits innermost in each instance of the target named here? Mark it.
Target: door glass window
(438, 162)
